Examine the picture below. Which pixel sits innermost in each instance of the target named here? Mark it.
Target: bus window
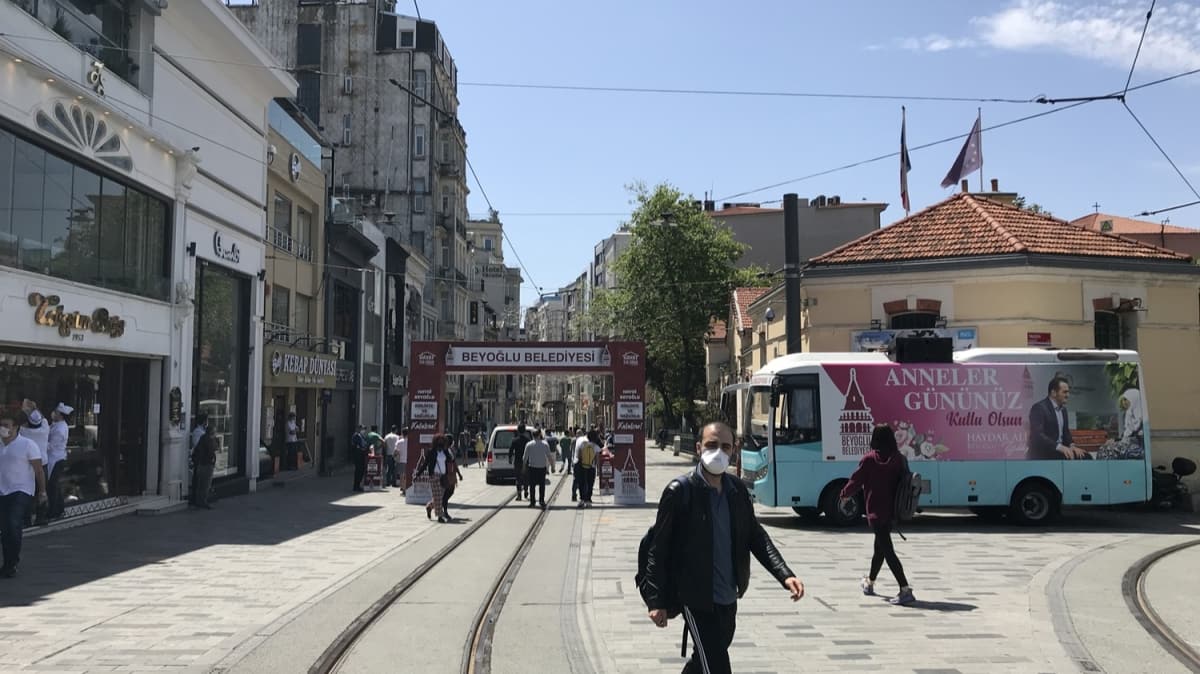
(797, 418)
(754, 419)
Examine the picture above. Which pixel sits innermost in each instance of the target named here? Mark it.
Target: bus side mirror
(775, 395)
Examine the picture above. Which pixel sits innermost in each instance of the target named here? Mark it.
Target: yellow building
(1006, 277)
(296, 365)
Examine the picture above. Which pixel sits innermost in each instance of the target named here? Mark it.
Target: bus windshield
(755, 418)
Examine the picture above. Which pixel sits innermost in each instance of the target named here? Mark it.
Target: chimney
(710, 205)
(964, 186)
(995, 184)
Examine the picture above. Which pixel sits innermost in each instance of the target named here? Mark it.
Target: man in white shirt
(56, 454)
(22, 479)
(580, 439)
(292, 448)
(37, 429)
(537, 458)
(394, 448)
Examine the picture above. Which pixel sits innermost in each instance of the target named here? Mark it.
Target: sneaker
(868, 588)
(904, 598)
(589, 504)
(580, 506)
(518, 497)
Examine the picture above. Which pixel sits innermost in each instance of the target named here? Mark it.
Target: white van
(500, 466)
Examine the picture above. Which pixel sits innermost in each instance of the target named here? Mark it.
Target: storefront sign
(294, 167)
(346, 374)
(529, 357)
(48, 311)
(304, 364)
(372, 375)
(230, 253)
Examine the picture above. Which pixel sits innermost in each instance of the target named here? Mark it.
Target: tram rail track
(1133, 587)
(477, 651)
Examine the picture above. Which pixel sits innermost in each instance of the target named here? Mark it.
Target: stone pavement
(984, 595)
(184, 591)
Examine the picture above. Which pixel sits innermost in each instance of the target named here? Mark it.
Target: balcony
(104, 32)
(449, 168)
(281, 240)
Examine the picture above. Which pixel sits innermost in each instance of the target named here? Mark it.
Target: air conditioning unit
(346, 137)
(347, 85)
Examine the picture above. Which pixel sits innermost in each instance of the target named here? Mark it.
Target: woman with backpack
(433, 463)
(878, 475)
(453, 475)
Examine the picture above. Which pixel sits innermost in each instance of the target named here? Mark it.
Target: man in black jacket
(1049, 432)
(517, 452)
(700, 556)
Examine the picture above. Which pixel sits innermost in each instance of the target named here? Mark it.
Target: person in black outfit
(700, 553)
(358, 453)
(1049, 430)
(517, 451)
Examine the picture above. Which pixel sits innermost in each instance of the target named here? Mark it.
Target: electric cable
(1161, 150)
(1136, 54)
(1169, 208)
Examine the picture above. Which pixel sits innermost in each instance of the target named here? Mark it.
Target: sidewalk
(184, 591)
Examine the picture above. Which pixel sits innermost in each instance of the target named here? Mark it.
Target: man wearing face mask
(700, 554)
(22, 481)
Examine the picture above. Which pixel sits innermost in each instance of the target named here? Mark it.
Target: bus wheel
(843, 513)
(1033, 503)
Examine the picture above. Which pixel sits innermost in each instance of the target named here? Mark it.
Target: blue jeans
(14, 508)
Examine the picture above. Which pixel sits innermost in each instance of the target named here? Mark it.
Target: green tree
(1023, 204)
(673, 281)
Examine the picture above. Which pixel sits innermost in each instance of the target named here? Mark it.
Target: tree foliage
(673, 281)
(1023, 204)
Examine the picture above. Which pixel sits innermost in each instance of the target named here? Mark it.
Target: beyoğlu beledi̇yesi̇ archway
(625, 361)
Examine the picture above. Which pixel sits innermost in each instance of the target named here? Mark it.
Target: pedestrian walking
(56, 453)
(389, 451)
(878, 476)
(22, 483)
(580, 438)
(566, 444)
(537, 458)
(587, 453)
(453, 475)
(37, 430)
(204, 460)
(698, 561)
(552, 445)
(480, 459)
(433, 464)
(517, 451)
(358, 454)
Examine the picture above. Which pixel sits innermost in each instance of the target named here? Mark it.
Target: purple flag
(970, 158)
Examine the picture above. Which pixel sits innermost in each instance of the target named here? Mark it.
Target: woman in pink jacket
(878, 476)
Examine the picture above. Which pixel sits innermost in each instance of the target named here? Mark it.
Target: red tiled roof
(716, 332)
(742, 297)
(1129, 225)
(970, 225)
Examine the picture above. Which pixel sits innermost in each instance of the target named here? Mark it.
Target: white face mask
(715, 461)
(5, 432)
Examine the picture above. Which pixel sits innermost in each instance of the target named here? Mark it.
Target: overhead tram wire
(433, 106)
(1071, 103)
(584, 88)
(1136, 54)
(1169, 208)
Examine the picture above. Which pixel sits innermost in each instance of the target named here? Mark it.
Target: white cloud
(1107, 32)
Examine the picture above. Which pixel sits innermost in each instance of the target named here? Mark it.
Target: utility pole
(791, 270)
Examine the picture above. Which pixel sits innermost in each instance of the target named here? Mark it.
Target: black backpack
(673, 606)
(908, 493)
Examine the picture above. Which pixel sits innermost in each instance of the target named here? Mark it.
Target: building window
(406, 39)
(303, 234)
(420, 86)
(445, 200)
(913, 320)
(61, 219)
(281, 306)
(302, 315)
(102, 29)
(1116, 329)
(419, 141)
(487, 243)
(281, 223)
(444, 148)
(418, 195)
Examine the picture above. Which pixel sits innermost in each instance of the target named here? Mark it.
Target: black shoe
(428, 513)
(8, 572)
(543, 506)
(518, 497)
(573, 498)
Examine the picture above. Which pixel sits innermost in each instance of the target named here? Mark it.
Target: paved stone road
(270, 578)
(983, 590)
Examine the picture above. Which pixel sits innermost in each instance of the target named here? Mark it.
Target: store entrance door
(279, 430)
(131, 430)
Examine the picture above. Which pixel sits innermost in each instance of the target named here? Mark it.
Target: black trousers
(711, 633)
(536, 477)
(885, 551)
(586, 477)
(360, 469)
(54, 491)
(519, 464)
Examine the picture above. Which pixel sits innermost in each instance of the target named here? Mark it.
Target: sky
(556, 164)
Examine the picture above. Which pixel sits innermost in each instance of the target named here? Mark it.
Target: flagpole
(979, 119)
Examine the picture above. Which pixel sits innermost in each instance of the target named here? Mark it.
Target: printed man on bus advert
(1049, 427)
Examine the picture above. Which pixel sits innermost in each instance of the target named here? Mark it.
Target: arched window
(913, 320)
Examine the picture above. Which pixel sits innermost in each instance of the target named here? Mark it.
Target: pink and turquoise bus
(1016, 432)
